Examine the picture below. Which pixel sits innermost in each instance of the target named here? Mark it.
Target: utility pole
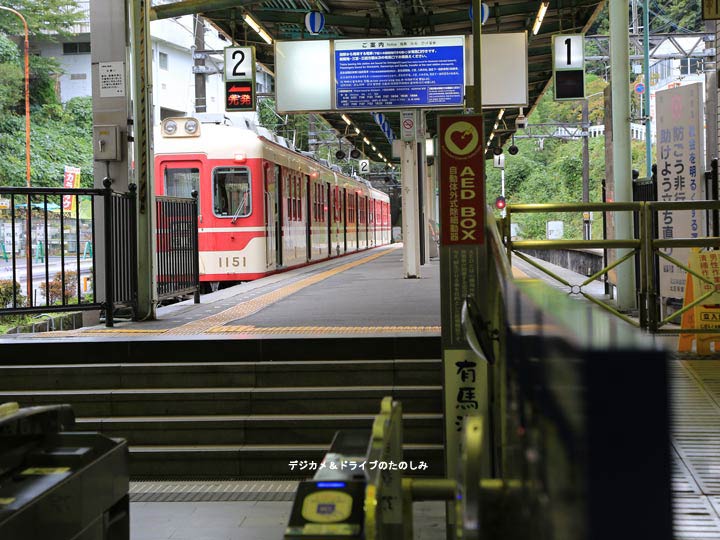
(586, 164)
(200, 91)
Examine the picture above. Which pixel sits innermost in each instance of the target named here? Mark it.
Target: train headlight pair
(171, 127)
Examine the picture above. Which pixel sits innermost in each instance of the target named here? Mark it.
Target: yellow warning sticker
(45, 470)
(7, 500)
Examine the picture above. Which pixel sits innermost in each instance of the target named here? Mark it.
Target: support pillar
(410, 210)
(142, 150)
(622, 158)
(110, 106)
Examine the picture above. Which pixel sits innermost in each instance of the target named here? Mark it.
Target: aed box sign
(462, 191)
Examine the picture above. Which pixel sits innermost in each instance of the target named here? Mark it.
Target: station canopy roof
(361, 19)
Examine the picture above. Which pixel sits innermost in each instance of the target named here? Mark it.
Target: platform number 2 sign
(364, 166)
(239, 63)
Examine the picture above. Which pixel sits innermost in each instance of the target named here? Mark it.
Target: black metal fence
(48, 249)
(177, 247)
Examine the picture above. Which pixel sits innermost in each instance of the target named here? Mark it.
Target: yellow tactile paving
(325, 330)
(256, 304)
(124, 331)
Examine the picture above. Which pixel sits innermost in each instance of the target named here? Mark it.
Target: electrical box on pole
(569, 66)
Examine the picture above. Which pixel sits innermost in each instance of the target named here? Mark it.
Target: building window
(76, 48)
(690, 66)
(163, 58)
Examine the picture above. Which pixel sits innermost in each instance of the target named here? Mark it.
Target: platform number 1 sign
(239, 78)
(569, 66)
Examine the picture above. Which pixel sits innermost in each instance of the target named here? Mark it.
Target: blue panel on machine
(403, 72)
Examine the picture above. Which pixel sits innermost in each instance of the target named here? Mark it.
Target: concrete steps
(235, 419)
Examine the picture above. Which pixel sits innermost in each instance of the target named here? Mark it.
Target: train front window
(181, 182)
(231, 192)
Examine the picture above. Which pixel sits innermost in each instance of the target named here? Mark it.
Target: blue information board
(399, 73)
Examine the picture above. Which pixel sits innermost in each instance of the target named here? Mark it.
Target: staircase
(234, 408)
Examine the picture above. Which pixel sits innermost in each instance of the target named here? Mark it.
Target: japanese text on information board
(680, 159)
(403, 72)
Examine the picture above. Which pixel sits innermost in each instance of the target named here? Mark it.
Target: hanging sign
(314, 22)
(569, 66)
(239, 78)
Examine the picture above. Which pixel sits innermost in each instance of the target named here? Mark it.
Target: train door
(326, 206)
(270, 216)
(309, 216)
(356, 219)
(343, 214)
(278, 215)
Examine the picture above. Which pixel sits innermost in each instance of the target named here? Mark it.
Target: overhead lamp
(496, 125)
(492, 136)
(347, 120)
(252, 23)
(357, 131)
(380, 155)
(365, 140)
(373, 147)
(540, 16)
(500, 114)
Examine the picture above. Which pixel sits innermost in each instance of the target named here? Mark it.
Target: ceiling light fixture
(252, 23)
(347, 120)
(540, 16)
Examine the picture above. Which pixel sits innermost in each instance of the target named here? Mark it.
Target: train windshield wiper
(236, 215)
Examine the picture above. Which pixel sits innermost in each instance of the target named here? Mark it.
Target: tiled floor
(256, 520)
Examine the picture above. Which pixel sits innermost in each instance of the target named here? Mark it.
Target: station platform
(356, 298)
(359, 294)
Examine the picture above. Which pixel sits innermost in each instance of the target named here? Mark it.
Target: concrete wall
(582, 262)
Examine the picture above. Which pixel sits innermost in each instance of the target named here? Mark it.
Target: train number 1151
(227, 262)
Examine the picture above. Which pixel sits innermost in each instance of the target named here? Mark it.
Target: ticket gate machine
(331, 504)
(60, 485)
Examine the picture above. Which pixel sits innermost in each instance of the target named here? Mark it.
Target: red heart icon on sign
(461, 138)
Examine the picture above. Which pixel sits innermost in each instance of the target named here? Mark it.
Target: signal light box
(569, 66)
(239, 96)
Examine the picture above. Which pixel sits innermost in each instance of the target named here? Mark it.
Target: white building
(172, 65)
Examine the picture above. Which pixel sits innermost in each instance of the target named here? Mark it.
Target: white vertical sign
(680, 173)
(364, 166)
(407, 125)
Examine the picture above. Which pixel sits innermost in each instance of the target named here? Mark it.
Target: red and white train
(263, 207)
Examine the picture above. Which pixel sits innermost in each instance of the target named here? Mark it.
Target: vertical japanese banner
(680, 173)
(462, 244)
(71, 180)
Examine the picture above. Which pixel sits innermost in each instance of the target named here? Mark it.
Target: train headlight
(191, 126)
(169, 127)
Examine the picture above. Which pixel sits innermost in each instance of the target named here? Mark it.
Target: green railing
(646, 249)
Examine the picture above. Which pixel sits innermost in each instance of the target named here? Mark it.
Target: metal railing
(177, 247)
(646, 248)
(50, 244)
(566, 421)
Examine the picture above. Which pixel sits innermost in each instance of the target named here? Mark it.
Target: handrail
(646, 247)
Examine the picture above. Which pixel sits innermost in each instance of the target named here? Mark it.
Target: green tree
(45, 18)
